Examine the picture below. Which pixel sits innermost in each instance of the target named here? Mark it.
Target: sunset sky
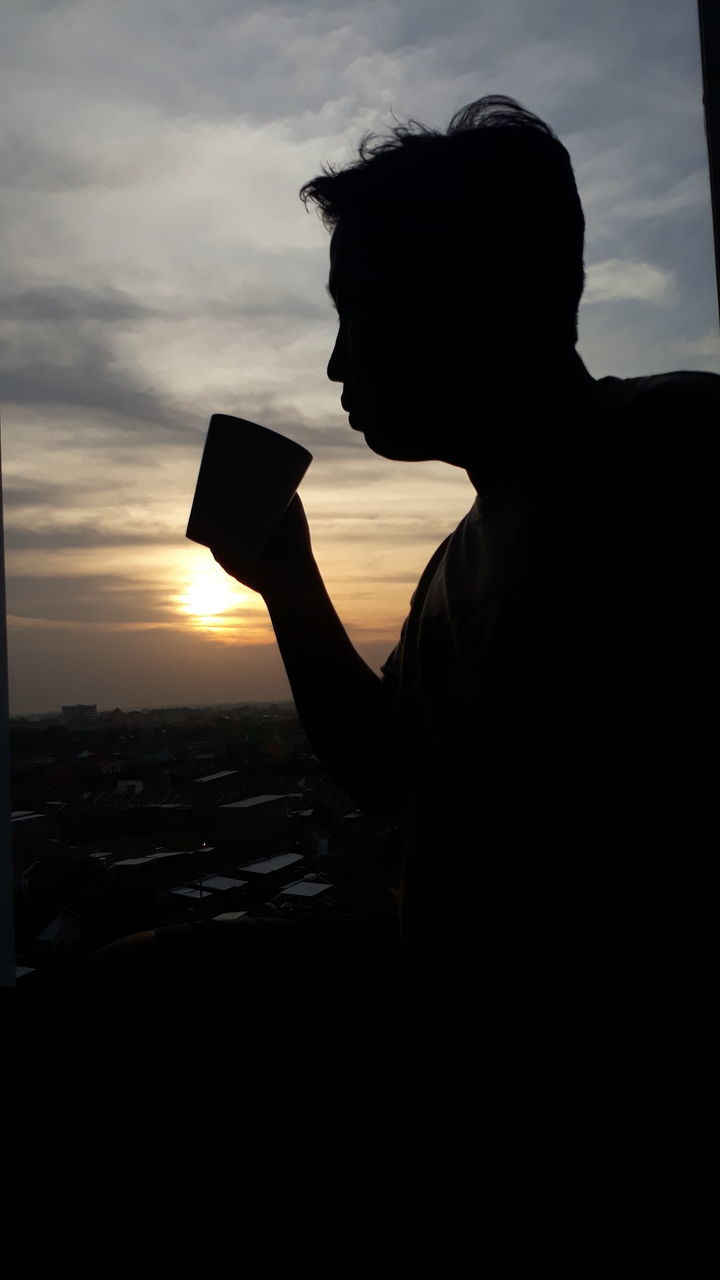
(158, 267)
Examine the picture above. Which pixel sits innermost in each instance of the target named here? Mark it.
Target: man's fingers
(222, 550)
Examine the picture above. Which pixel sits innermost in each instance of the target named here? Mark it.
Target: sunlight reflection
(213, 603)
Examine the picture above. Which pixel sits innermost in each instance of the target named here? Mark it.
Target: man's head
(456, 265)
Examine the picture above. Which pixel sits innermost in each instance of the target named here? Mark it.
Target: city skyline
(58, 712)
(162, 268)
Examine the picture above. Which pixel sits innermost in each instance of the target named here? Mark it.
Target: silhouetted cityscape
(126, 821)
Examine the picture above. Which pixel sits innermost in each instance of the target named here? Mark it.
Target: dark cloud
(409, 579)
(329, 437)
(84, 536)
(385, 533)
(230, 59)
(69, 302)
(257, 298)
(39, 493)
(29, 165)
(93, 382)
(59, 352)
(86, 598)
(365, 469)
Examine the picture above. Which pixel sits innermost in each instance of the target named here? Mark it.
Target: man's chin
(406, 440)
(396, 451)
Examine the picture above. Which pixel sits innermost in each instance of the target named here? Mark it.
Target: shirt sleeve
(391, 666)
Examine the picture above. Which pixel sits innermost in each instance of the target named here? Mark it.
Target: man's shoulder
(665, 424)
(675, 388)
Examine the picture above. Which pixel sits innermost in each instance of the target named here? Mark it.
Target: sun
(213, 603)
(209, 593)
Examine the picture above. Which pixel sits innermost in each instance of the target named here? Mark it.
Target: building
(82, 716)
(266, 876)
(153, 867)
(307, 890)
(213, 782)
(65, 929)
(130, 786)
(255, 819)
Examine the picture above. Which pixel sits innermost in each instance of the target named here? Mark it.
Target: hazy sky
(158, 267)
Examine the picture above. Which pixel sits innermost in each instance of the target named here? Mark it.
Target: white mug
(248, 477)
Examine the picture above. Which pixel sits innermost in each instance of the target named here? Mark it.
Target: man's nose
(335, 369)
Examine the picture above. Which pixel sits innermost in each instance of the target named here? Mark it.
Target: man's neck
(543, 405)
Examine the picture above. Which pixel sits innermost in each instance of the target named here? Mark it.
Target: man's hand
(285, 560)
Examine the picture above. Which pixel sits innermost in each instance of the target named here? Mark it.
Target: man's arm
(348, 715)
(344, 709)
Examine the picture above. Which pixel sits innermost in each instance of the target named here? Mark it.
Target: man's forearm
(339, 699)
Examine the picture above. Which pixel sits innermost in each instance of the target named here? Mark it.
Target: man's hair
(499, 177)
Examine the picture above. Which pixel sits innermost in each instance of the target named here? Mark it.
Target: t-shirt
(556, 678)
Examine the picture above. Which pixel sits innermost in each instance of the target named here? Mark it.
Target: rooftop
(246, 804)
(305, 889)
(223, 882)
(267, 866)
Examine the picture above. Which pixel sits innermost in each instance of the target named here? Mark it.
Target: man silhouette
(543, 734)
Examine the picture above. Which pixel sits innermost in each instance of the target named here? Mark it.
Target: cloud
(70, 303)
(86, 629)
(91, 382)
(615, 280)
(34, 493)
(688, 192)
(88, 534)
(87, 598)
(59, 350)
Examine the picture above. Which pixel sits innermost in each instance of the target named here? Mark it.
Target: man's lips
(350, 410)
